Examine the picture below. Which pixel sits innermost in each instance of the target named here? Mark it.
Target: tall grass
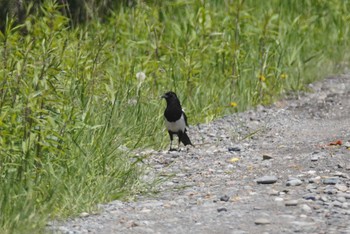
(72, 109)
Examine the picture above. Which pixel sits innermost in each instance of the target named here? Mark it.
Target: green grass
(70, 102)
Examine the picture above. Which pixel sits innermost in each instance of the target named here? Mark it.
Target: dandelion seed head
(140, 76)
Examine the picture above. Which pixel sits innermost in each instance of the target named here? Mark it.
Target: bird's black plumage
(175, 119)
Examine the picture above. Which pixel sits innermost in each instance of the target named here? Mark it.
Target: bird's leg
(171, 144)
(171, 141)
(179, 136)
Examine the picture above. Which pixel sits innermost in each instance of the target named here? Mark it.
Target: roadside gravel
(278, 169)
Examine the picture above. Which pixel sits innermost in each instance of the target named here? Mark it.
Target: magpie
(175, 119)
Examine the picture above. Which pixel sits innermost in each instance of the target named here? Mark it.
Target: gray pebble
(330, 191)
(233, 149)
(306, 208)
(273, 192)
(341, 199)
(341, 187)
(291, 203)
(267, 157)
(315, 179)
(345, 195)
(341, 175)
(311, 187)
(221, 209)
(225, 198)
(294, 182)
(316, 155)
(314, 158)
(337, 204)
(267, 180)
(310, 196)
(262, 221)
(303, 227)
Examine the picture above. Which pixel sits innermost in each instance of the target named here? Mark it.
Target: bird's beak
(163, 96)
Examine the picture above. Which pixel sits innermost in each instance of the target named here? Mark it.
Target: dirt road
(279, 169)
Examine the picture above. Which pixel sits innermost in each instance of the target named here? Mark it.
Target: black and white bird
(175, 119)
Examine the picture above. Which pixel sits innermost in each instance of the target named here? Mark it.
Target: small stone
(341, 175)
(84, 214)
(341, 199)
(267, 157)
(345, 205)
(324, 198)
(345, 195)
(347, 144)
(330, 191)
(310, 196)
(311, 172)
(294, 182)
(306, 208)
(331, 180)
(267, 180)
(311, 187)
(233, 149)
(262, 221)
(225, 198)
(299, 225)
(145, 210)
(315, 179)
(337, 204)
(273, 192)
(341, 187)
(314, 158)
(221, 209)
(291, 203)
(279, 199)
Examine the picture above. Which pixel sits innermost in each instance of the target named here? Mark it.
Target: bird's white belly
(176, 126)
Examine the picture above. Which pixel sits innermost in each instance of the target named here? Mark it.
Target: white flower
(140, 76)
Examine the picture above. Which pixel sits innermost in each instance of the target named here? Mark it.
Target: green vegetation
(70, 102)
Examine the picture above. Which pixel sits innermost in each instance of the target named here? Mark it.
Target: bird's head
(169, 95)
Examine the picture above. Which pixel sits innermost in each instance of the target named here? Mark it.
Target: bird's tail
(185, 139)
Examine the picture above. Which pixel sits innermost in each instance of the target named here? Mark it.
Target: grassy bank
(71, 104)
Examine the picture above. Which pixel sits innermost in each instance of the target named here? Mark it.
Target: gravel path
(272, 170)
